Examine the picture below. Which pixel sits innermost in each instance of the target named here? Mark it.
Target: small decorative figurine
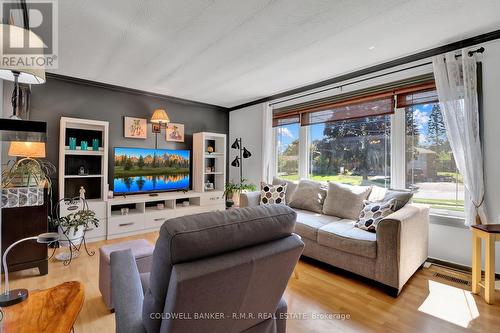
(82, 171)
(82, 192)
(210, 149)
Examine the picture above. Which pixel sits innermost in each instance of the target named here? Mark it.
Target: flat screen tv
(143, 170)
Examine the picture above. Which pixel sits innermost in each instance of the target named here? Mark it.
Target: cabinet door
(22, 222)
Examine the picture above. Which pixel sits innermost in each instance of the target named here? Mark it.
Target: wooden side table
(490, 233)
(51, 310)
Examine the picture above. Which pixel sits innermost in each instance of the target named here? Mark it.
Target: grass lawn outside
(446, 204)
(344, 179)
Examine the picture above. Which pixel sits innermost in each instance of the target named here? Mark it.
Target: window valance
(376, 101)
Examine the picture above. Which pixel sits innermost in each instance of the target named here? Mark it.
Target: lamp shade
(47, 238)
(27, 149)
(236, 162)
(246, 153)
(27, 74)
(236, 144)
(160, 116)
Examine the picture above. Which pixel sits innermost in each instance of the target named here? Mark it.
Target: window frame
(397, 160)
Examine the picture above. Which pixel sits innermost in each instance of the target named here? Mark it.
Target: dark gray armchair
(211, 272)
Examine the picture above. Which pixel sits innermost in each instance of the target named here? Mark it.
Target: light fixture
(27, 149)
(244, 153)
(236, 144)
(11, 297)
(160, 116)
(18, 74)
(236, 162)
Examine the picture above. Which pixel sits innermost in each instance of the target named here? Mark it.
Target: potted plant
(72, 226)
(28, 172)
(232, 192)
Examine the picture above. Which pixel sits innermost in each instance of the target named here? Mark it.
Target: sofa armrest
(249, 199)
(126, 290)
(402, 244)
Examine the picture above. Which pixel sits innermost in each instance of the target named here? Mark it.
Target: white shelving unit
(203, 162)
(144, 215)
(95, 181)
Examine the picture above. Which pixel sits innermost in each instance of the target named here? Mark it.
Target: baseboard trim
(454, 266)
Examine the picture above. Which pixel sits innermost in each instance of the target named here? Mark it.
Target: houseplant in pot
(24, 180)
(72, 226)
(232, 192)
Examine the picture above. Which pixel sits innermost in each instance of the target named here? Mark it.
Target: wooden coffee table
(490, 233)
(51, 310)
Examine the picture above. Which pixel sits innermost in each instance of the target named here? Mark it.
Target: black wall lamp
(244, 153)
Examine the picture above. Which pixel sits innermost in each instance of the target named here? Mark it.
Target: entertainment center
(127, 213)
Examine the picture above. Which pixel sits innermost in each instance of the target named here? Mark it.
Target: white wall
(247, 124)
(447, 243)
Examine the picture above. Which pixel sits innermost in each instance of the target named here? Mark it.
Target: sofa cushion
(373, 213)
(344, 236)
(309, 195)
(290, 187)
(345, 201)
(402, 197)
(272, 194)
(377, 193)
(308, 223)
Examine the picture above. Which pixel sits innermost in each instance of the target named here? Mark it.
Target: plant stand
(74, 251)
(74, 244)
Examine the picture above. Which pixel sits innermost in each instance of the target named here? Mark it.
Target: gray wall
(57, 98)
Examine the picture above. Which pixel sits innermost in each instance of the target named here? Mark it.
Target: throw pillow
(272, 194)
(309, 195)
(290, 187)
(402, 197)
(345, 201)
(373, 213)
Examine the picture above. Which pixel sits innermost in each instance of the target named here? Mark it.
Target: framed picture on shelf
(175, 132)
(135, 128)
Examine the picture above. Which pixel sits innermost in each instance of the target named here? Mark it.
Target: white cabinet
(144, 214)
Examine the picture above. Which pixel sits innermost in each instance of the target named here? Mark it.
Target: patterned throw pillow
(272, 194)
(373, 213)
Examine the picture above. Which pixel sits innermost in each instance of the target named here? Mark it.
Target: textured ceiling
(234, 51)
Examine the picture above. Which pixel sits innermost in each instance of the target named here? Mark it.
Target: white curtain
(267, 143)
(456, 83)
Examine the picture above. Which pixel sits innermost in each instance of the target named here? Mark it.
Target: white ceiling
(228, 52)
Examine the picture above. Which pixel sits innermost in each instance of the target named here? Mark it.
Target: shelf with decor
(83, 162)
(84, 152)
(83, 176)
(209, 162)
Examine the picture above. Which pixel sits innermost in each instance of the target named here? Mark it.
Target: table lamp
(11, 297)
(27, 149)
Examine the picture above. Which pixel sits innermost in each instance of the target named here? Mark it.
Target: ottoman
(143, 253)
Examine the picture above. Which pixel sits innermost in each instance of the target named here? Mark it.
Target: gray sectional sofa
(390, 256)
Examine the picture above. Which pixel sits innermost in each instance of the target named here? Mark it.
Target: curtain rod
(470, 53)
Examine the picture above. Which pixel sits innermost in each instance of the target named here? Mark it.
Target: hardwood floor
(427, 304)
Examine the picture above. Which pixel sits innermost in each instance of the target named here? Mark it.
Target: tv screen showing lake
(150, 170)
